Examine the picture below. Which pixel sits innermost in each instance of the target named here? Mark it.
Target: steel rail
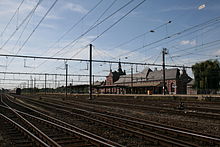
(32, 136)
(94, 138)
(160, 139)
(153, 124)
(41, 135)
(169, 110)
(158, 126)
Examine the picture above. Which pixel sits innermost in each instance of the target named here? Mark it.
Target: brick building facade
(147, 81)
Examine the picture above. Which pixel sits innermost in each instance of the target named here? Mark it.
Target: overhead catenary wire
(35, 28)
(138, 36)
(85, 60)
(12, 18)
(213, 28)
(132, 39)
(180, 50)
(87, 31)
(19, 26)
(52, 74)
(100, 17)
(157, 58)
(20, 36)
(74, 25)
(91, 28)
(118, 21)
(212, 43)
(173, 35)
(207, 45)
(105, 12)
(126, 42)
(80, 50)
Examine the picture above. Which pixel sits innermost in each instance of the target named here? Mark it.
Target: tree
(207, 76)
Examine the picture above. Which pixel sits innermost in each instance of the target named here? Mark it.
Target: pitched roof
(148, 75)
(98, 83)
(191, 82)
(158, 74)
(136, 77)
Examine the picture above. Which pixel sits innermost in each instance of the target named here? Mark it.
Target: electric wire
(157, 58)
(212, 43)
(213, 28)
(215, 22)
(105, 12)
(92, 27)
(80, 50)
(138, 36)
(118, 20)
(132, 39)
(24, 29)
(74, 25)
(99, 17)
(24, 43)
(173, 35)
(19, 26)
(87, 31)
(12, 18)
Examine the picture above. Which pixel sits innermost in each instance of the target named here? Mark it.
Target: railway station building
(145, 82)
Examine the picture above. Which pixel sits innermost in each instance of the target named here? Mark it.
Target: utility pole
(31, 85)
(55, 81)
(28, 85)
(131, 79)
(164, 51)
(90, 72)
(45, 84)
(66, 67)
(34, 85)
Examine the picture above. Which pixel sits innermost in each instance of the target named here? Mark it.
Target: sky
(129, 31)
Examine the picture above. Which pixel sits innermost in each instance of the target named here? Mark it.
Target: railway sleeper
(63, 130)
(153, 140)
(94, 142)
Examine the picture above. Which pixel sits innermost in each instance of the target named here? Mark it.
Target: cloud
(216, 53)
(9, 7)
(201, 7)
(75, 7)
(188, 42)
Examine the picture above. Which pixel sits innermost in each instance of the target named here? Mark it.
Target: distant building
(190, 88)
(109, 86)
(114, 76)
(146, 82)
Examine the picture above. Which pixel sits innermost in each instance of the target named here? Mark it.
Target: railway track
(171, 108)
(192, 105)
(200, 112)
(164, 135)
(18, 135)
(48, 132)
